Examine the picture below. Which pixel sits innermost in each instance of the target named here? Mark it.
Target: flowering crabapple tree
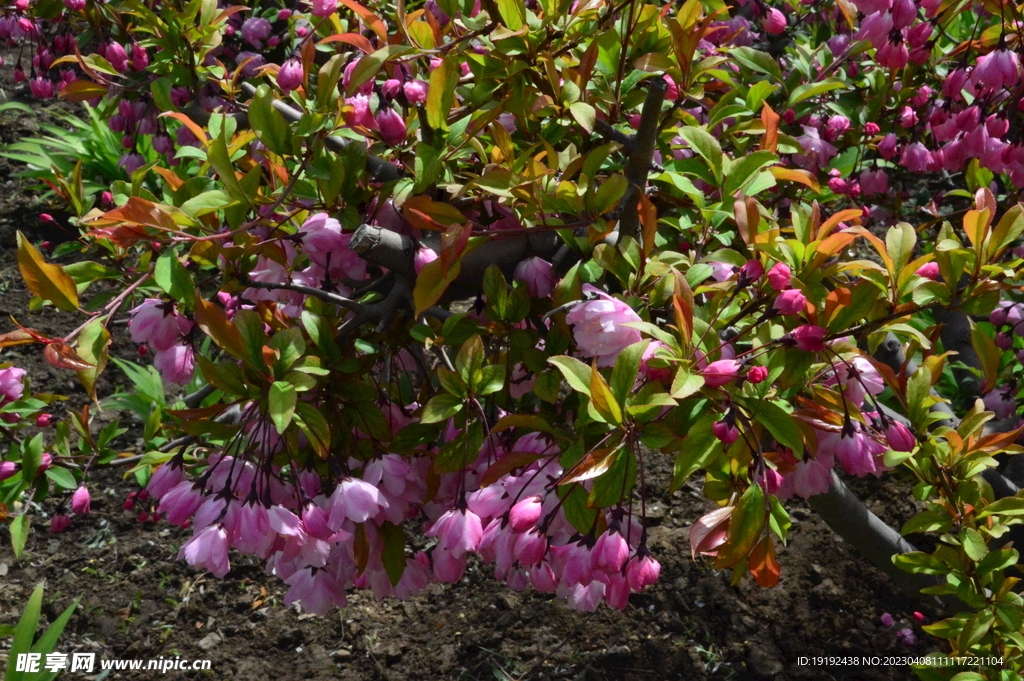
(481, 268)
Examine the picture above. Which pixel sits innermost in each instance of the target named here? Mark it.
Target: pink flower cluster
(158, 324)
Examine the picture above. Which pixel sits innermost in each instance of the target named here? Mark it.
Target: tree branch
(638, 163)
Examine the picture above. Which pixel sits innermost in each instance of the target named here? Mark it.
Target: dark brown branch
(638, 163)
(325, 296)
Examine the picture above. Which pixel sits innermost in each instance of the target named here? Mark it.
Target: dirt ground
(139, 602)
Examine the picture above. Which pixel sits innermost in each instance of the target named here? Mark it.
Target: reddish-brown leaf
(453, 245)
(710, 532)
(425, 213)
(770, 141)
(506, 465)
(595, 463)
(63, 356)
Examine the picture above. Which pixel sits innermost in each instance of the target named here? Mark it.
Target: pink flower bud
(790, 302)
(757, 374)
(538, 275)
(7, 469)
(871, 128)
(721, 372)
(779, 276)
(284, 14)
(887, 147)
(44, 420)
(392, 126)
(324, 8)
(80, 501)
(899, 437)
(423, 255)
(140, 58)
(809, 338)
(724, 432)
(774, 21)
(525, 514)
(642, 572)
(752, 270)
(290, 76)
(59, 522)
(117, 57)
(415, 91)
(929, 270)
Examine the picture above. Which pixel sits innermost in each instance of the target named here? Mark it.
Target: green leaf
(932, 520)
(93, 342)
(441, 92)
(313, 424)
(744, 170)
(998, 560)
(441, 408)
(281, 403)
(492, 379)
(25, 631)
(627, 365)
(758, 61)
(745, 527)
(576, 373)
(585, 115)
(19, 535)
(61, 477)
(207, 202)
(513, 13)
(975, 629)
(808, 90)
(685, 384)
(899, 242)
(700, 448)
(973, 544)
(267, 122)
(393, 556)
(602, 399)
(174, 279)
(780, 424)
(919, 562)
(707, 146)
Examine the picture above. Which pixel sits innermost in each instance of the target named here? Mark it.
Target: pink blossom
(255, 30)
(836, 126)
(899, 438)
(392, 126)
(809, 338)
(779, 276)
(7, 469)
(355, 500)
(642, 571)
(810, 477)
(790, 302)
(423, 255)
(904, 12)
(874, 182)
(915, 157)
(929, 270)
(887, 147)
(817, 153)
(457, 531)
(140, 58)
(997, 69)
(360, 116)
(177, 363)
(12, 386)
(59, 522)
(610, 552)
(757, 374)
(538, 275)
(80, 501)
(725, 432)
(324, 8)
(907, 117)
(116, 55)
(290, 76)
(157, 322)
(317, 591)
(1001, 401)
(953, 86)
(41, 88)
(525, 514)
(599, 329)
(415, 91)
(774, 21)
(859, 377)
(892, 54)
(721, 372)
(208, 549)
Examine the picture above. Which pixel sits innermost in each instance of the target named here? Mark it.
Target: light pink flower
(774, 21)
(324, 8)
(525, 514)
(12, 387)
(721, 372)
(157, 323)
(779, 276)
(457, 531)
(997, 69)
(538, 275)
(177, 363)
(812, 476)
(208, 549)
(789, 302)
(255, 30)
(290, 76)
(598, 326)
(356, 500)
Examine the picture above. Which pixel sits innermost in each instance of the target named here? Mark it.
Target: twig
(325, 296)
(638, 163)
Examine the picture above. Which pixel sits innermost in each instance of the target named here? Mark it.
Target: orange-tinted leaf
(763, 565)
(649, 220)
(82, 90)
(998, 441)
(353, 39)
(976, 226)
(139, 211)
(63, 356)
(49, 282)
(19, 337)
(193, 127)
(770, 141)
(596, 462)
(431, 283)
(710, 531)
(425, 213)
(173, 181)
(826, 227)
(801, 176)
(124, 236)
(372, 21)
(214, 323)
